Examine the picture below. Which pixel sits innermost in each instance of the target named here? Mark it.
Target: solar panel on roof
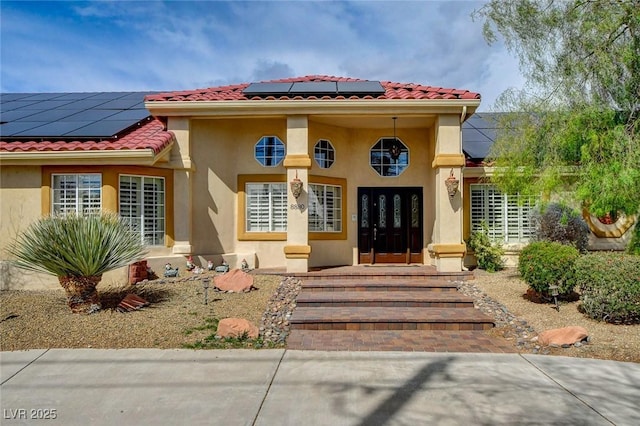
(15, 105)
(360, 87)
(47, 115)
(70, 115)
(49, 104)
(89, 115)
(18, 114)
(267, 89)
(119, 104)
(5, 97)
(83, 104)
(101, 129)
(129, 114)
(43, 96)
(54, 129)
(314, 87)
(11, 129)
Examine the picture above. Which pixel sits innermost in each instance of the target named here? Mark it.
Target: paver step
(389, 318)
(378, 285)
(398, 340)
(400, 298)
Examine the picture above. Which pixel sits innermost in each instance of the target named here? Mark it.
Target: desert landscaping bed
(177, 317)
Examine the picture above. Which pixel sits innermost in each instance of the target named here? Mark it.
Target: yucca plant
(77, 249)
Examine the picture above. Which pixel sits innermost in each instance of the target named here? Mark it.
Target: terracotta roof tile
(393, 90)
(149, 135)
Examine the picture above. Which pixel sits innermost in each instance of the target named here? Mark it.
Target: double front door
(390, 225)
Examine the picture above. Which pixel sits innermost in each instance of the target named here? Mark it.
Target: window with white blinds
(325, 208)
(76, 193)
(508, 217)
(142, 205)
(266, 207)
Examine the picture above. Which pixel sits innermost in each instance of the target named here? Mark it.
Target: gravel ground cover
(177, 317)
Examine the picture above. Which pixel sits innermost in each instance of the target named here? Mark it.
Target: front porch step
(398, 340)
(399, 298)
(368, 284)
(389, 318)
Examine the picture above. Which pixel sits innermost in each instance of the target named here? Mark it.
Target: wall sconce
(296, 186)
(452, 184)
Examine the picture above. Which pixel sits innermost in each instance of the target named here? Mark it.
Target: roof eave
(306, 106)
(140, 157)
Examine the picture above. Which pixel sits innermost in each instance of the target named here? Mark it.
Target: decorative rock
(234, 280)
(563, 336)
(236, 327)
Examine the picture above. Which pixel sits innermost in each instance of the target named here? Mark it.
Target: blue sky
(174, 45)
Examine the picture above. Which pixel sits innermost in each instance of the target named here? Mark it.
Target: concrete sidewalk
(278, 387)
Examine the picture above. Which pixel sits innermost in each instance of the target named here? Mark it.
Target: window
(389, 157)
(324, 153)
(266, 207)
(507, 216)
(77, 193)
(325, 208)
(142, 205)
(269, 151)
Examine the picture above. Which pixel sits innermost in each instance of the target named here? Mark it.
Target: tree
(77, 249)
(574, 128)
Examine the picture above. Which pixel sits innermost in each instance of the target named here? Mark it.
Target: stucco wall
(224, 148)
(20, 205)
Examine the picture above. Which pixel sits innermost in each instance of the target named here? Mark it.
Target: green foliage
(562, 224)
(609, 284)
(542, 264)
(76, 245)
(488, 254)
(577, 129)
(634, 244)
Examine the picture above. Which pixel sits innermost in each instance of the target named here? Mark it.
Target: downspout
(463, 116)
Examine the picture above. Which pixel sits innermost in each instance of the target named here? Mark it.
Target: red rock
(235, 327)
(235, 280)
(562, 336)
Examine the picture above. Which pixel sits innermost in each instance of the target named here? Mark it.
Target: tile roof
(392, 91)
(147, 135)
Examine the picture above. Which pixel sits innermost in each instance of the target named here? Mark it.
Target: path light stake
(554, 293)
(205, 285)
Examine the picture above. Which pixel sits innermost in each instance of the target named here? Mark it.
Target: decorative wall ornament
(452, 184)
(296, 186)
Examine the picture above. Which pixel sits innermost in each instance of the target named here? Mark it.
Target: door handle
(375, 233)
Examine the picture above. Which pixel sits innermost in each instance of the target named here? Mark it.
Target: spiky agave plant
(77, 249)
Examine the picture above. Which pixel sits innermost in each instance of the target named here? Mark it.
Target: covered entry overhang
(440, 118)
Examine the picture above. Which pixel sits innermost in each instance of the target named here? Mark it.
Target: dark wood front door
(390, 225)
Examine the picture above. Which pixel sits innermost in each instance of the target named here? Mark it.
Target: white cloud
(183, 45)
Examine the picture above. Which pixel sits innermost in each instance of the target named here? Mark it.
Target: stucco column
(180, 161)
(298, 163)
(448, 246)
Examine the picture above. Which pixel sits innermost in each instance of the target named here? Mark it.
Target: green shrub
(562, 224)
(544, 263)
(634, 244)
(610, 286)
(488, 254)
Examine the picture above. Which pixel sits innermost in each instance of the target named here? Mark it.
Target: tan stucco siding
(223, 149)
